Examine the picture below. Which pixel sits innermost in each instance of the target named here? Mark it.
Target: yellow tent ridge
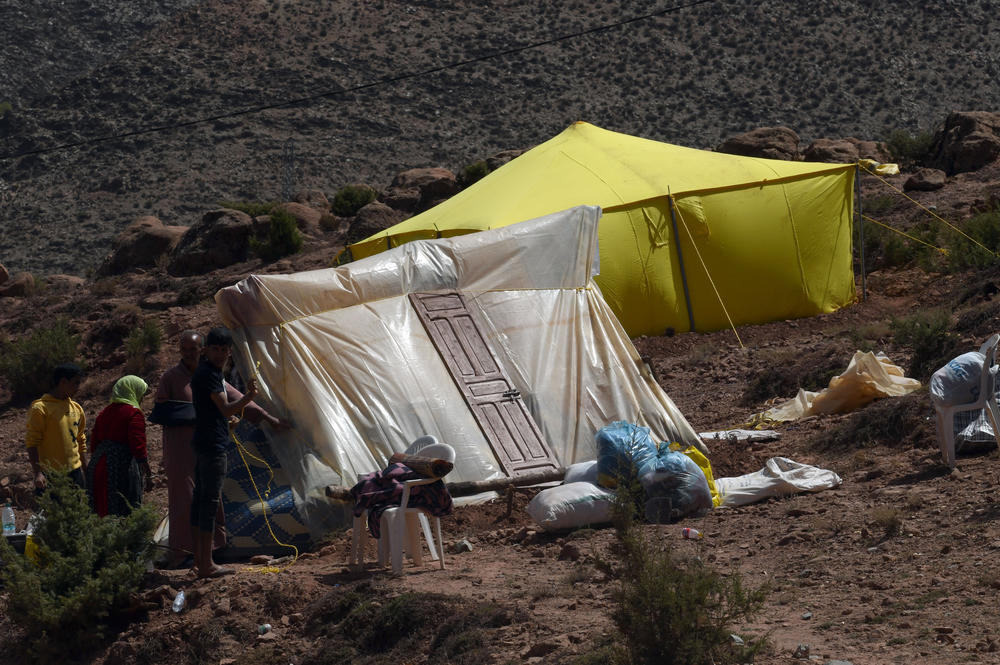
(686, 235)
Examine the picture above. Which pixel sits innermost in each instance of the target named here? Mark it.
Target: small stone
(261, 559)
(461, 546)
(569, 552)
(540, 649)
(807, 615)
(223, 607)
(267, 637)
(801, 651)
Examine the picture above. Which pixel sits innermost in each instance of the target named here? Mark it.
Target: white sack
(570, 506)
(779, 477)
(581, 472)
(958, 382)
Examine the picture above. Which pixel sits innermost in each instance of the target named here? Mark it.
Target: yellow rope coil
(243, 456)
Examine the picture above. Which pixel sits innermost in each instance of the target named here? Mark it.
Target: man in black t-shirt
(213, 412)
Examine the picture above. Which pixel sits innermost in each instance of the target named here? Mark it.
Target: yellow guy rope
(708, 274)
(244, 453)
(928, 211)
(903, 233)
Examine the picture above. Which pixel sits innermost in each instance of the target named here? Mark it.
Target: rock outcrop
(967, 141)
(845, 151)
(767, 142)
(219, 239)
(417, 190)
(143, 243)
(925, 180)
(19, 286)
(374, 217)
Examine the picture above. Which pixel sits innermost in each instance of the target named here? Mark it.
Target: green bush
(283, 237)
(27, 363)
(252, 208)
(350, 199)
(144, 339)
(142, 342)
(887, 249)
(926, 335)
(880, 203)
(87, 569)
(964, 254)
(473, 173)
(910, 150)
(673, 610)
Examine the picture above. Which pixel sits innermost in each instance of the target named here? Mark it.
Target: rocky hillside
(388, 86)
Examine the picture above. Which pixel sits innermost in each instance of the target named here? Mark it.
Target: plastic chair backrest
(987, 379)
(439, 451)
(420, 443)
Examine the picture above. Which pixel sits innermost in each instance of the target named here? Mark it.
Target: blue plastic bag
(624, 450)
(674, 485)
(675, 488)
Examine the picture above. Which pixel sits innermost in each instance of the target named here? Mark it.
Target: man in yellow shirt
(56, 429)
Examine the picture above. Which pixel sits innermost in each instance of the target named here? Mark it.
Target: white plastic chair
(987, 400)
(404, 534)
(359, 538)
(399, 525)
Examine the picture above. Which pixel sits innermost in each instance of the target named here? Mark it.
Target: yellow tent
(689, 239)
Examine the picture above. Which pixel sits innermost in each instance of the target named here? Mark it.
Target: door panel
(497, 406)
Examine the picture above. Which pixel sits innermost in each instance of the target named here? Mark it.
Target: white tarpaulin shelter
(497, 343)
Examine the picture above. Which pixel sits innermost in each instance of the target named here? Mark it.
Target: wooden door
(496, 404)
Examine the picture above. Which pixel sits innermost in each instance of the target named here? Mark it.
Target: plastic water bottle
(178, 601)
(690, 534)
(8, 520)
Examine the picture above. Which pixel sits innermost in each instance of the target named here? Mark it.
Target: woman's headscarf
(129, 390)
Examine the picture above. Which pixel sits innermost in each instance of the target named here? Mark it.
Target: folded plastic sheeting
(779, 477)
(344, 354)
(867, 377)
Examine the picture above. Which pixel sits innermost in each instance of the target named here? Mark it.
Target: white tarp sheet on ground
(867, 377)
(343, 353)
(779, 477)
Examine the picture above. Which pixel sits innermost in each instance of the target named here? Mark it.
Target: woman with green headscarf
(119, 469)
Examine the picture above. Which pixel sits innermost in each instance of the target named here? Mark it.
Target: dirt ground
(899, 564)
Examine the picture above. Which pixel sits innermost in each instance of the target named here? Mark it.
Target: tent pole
(680, 261)
(861, 230)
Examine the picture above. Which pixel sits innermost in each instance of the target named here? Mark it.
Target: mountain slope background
(691, 73)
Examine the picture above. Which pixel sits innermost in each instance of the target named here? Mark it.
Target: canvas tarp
(769, 239)
(343, 353)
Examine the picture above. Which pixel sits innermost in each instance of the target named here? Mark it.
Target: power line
(345, 91)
